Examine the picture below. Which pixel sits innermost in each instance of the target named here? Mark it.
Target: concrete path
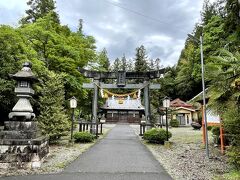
(119, 156)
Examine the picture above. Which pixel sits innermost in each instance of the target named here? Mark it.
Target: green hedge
(156, 135)
(83, 137)
(174, 123)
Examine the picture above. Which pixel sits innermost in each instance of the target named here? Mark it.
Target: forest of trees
(56, 51)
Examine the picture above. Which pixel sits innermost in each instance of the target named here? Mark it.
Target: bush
(216, 131)
(174, 123)
(156, 135)
(231, 128)
(209, 128)
(83, 137)
(234, 156)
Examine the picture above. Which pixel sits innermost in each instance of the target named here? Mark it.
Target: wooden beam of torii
(121, 77)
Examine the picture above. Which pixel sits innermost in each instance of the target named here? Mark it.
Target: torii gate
(121, 77)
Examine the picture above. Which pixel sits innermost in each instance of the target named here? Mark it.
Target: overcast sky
(122, 25)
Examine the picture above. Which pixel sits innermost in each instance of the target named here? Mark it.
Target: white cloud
(160, 25)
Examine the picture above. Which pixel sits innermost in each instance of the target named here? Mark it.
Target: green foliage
(39, 9)
(156, 135)
(168, 83)
(216, 134)
(214, 37)
(188, 76)
(123, 66)
(52, 119)
(62, 51)
(232, 175)
(174, 123)
(216, 131)
(13, 51)
(231, 24)
(83, 137)
(209, 128)
(103, 61)
(208, 11)
(217, 18)
(234, 156)
(141, 64)
(116, 65)
(231, 121)
(224, 73)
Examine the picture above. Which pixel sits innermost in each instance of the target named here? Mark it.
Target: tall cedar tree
(158, 64)
(232, 24)
(116, 65)
(39, 9)
(52, 119)
(141, 59)
(123, 66)
(103, 61)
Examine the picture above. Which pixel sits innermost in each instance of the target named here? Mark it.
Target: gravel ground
(58, 158)
(185, 160)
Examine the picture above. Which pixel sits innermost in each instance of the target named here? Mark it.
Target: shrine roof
(123, 104)
(179, 103)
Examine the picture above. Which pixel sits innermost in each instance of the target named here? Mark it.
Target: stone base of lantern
(21, 145)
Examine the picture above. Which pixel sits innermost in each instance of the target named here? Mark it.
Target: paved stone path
(119, 156)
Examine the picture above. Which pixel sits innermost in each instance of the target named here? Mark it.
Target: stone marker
(21, 143)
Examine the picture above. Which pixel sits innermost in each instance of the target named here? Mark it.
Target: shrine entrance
(122, 117)
(126, 108)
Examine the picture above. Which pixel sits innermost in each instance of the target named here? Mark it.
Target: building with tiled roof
(127, 110)
(184, 112)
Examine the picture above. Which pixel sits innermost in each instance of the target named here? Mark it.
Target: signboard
(212, 117)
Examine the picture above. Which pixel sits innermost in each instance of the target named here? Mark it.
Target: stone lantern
(23, 109)
(21, 143)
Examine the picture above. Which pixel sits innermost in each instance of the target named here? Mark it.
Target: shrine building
(123, 110)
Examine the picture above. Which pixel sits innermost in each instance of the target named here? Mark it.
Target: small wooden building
(185, 113)
(123, 110)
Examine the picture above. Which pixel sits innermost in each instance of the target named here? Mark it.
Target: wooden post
(222, 138)
(101, 132)
(140, 129)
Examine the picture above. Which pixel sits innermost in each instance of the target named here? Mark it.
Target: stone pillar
(95, 106)
(147, 102)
